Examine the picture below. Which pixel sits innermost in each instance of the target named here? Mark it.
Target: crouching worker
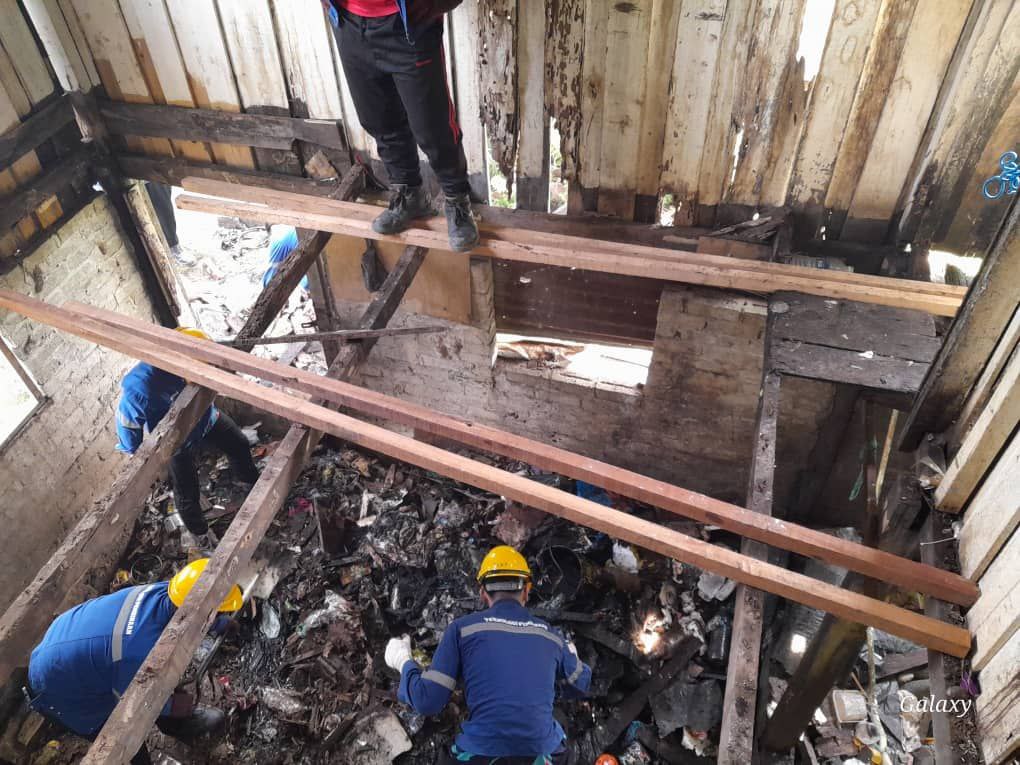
(509, 664)
(90, 654)
(147, 393)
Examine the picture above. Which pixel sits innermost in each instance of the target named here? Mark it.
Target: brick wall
(64, 459)
(692, 423)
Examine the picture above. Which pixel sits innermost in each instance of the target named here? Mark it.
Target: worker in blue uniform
(147, 393)
(510, 665)
(90, 654)
(283, 240)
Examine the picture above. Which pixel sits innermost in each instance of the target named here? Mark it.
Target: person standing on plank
(89, 655)
(510, 665)
(147, 394)
(393, 59)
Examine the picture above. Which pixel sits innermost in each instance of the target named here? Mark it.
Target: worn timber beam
(263, 131)
(990, 304)
(126, 730)
(576, 252)
(73, 169)
(343, 335)
(38, 128)
(802, 589)
(736, 737)
(799, 539)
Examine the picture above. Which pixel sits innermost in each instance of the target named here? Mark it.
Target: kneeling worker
(147, 393)
(509, 663)
(90, 654)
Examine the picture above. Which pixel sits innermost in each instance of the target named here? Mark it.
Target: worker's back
(147, 393)
(90, 654)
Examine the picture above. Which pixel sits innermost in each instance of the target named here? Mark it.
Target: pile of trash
(365, 549)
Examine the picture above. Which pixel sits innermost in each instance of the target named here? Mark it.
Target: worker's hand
(572, 648)
(398, 652)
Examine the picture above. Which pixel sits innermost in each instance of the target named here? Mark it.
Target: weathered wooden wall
(701, 100)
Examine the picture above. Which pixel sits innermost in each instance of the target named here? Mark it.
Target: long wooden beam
(31, 133)
(72, 169)
(124, 732)
(797, 587)
(341, 335)
(752, 525)
(577, 252)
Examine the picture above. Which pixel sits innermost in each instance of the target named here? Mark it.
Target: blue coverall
(89, 655)
(282, 242)
(509, 664)
(147, 394)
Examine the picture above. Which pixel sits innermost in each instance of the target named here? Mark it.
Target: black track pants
(229, 439)
(402, 98)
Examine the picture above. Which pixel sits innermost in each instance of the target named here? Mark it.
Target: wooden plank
(200, 39)
(169, 658)
(738, 520)
(1005, 353)
(995, 618)
(521, 245)
(627, 37)
(260, 130)
(690, 98)
(674, 544)
(818, 362)
(114, 54)
(972, 338)
(21, 171)
(993, 514)
(465, 29)
(734, 248)
(880, 66)
(564, 50)
(78, 36)
(98, 534)
(20, 45)
(498, 41)
(736, 736)
(143, 216)
(992, 430)
(28, 135)
(73, 169)
(532, 119)
(55, 35)
(832, 96)
(593, 89)
(155, 44)
(998, 707)
(343, 335)
(931, 39)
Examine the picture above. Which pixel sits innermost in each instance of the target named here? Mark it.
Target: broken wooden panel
(627, 35)
(564, 51)
(832, 96)
(55, 35)
(593, 76)
(995, 618)
(929, 45)
(464, 57)
(19, 43)
(532, 120)
(498, 63)
(690, 99)
(998, 707)
(819, 362)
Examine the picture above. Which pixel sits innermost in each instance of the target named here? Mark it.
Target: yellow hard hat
(185, 579)
(194, 332)
(504, 563)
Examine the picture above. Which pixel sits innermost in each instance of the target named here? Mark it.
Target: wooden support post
(156, 247)
(736, 738)
(126, 730)
(339, 335)
(74, 169)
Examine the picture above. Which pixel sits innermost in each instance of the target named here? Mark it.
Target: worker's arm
(130, 427)
(428, 691)
(576, 675)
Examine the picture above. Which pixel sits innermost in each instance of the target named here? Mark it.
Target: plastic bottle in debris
(173, 522)
(719, 628)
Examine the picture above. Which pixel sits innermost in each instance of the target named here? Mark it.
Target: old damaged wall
(64, 458)
(692, 423)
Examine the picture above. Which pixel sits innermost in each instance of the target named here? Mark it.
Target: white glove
(398, 652)
(572, 648)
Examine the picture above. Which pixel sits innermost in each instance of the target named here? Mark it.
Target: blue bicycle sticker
(1007, 181)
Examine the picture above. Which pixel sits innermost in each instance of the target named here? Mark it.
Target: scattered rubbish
(283, 702)
(849, 706)
(695, 705)
(714, 586)
(269, 623)
(635, 754)
(517, 524)
(336, 608)
(624, 557)
(376, 739)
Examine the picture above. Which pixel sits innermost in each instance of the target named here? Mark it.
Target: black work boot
(406, 204)
(460, 223)
(202, 721)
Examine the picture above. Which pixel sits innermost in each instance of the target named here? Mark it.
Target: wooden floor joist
(799, 539)
(574, 252)
(797, 587)
(162, 670)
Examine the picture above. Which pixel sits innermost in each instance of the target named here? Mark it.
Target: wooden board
(995, 617)
(55, 35)
(78, 35)
(998, 707)
(993, 514)
(992, 430)
(498, 81)
(690, 99)
(442, 287)
(20, 45)
(817, 362)
(934, 31)
(681, 502)
(593, 87)
(518, 244)
(662, 47)
(464, 57)
(564, 51)
(532, 120)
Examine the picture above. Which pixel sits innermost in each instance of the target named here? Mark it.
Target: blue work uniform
(89, 655)
(147, 393)
(282, 242)
(509, 664)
